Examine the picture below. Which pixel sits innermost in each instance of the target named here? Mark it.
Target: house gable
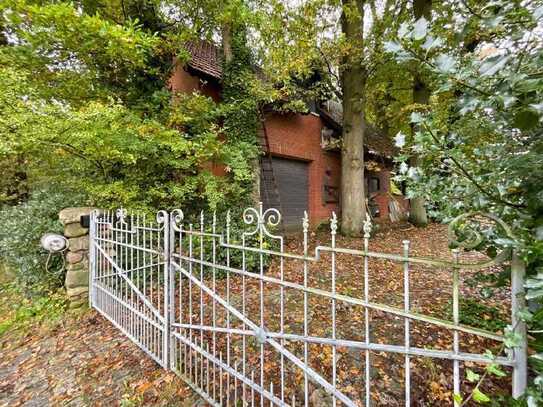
(297, 137)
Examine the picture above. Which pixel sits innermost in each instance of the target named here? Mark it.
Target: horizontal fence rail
(244, 321)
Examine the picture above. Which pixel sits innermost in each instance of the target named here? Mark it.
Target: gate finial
(333, 223)
(305, 222)
(121, 215)
(367, 227)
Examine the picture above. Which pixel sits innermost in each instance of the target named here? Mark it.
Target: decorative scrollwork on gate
(176, 218)
(121, 216)
(162, 218)
(472, 226)
(305, 222)
(261, 219)
(367, 227)
(333, 224)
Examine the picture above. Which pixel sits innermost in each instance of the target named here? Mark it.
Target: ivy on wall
(240, 110)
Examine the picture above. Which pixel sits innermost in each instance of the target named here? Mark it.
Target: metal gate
(218, 305)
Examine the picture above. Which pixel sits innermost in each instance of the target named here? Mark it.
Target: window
(374, 184)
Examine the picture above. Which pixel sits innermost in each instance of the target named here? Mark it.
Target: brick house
(304, 151)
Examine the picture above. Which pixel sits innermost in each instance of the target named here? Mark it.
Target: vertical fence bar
(202, 230)
(243, 310)
(189, 300)
(220, 379)
(281, 260)
(228, 335)
(165, 220)
(214, 309)
(367, 231)
(261, 284)
(170, 310)
(92, 257)
(456, 320)
(518, 271)
(334, 351)
(182, 318)
(406, 322)
(306, 333)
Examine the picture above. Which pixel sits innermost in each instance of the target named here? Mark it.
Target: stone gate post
(77, 255)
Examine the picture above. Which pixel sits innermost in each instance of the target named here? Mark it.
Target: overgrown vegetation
(18, 312)
(480, 139)
(105, 119)
(104, 122)
(477, 314)
(84, 102)
(22, 228)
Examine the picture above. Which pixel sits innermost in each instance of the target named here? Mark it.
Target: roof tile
(205, 57)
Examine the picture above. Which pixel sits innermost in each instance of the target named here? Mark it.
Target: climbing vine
(240, 114)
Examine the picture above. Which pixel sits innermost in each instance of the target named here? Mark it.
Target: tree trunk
(421, 95)
(227, 42)
(353, 78)
(3, 38)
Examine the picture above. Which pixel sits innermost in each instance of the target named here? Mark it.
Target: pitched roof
(205, 57)
(374, 139)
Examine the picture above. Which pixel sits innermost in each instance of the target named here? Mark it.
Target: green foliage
(116, 156)
(305, 53)
(240, 112)
(22, 228)
(100, 117)
(74, 56)
(20, 312)
(480, 139)
(479, 315)
(84, 102)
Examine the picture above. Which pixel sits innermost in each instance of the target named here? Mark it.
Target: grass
(19, 312)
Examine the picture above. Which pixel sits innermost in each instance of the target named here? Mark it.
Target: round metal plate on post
(53, 242)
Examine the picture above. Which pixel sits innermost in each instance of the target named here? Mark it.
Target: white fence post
(166, 277)
(92, 257)
(518, 271)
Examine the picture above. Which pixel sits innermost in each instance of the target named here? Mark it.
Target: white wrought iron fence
(244, 321)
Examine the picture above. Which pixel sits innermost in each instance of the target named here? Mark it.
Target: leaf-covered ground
(84, 360)
(482, 306)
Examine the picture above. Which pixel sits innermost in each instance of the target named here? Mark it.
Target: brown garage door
(292, 181)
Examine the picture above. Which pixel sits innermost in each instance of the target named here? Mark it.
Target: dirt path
(83, 362)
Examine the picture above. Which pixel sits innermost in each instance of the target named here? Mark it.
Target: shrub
(477, 314)
(22, 228)
(21, 313)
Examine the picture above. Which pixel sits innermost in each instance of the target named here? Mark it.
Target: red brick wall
(298, 136)
(294, 136)
(382, 197)
(183, 81)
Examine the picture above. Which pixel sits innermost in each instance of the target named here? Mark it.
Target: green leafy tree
(333, 49)
(480, 141)
(85, 101)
